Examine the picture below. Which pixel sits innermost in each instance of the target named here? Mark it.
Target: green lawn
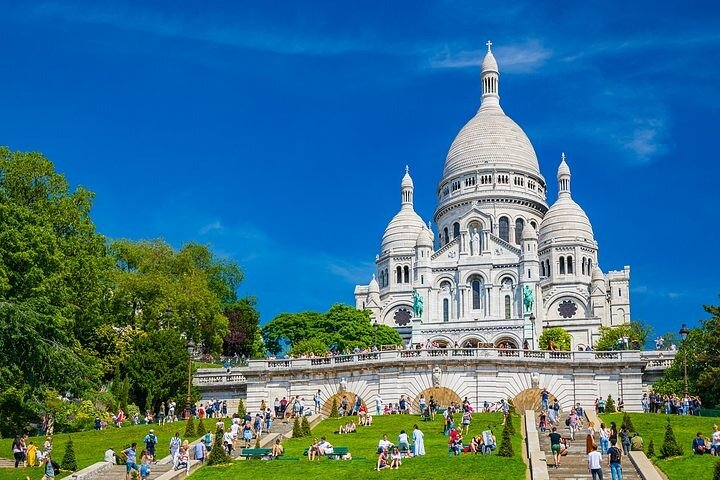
(436, 464)
(90, 446)
(652, 427)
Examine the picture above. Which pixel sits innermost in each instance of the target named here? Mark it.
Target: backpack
(55, 467)
(567, 422)
(614, 455)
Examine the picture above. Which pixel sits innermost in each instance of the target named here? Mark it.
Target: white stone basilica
(503, 265)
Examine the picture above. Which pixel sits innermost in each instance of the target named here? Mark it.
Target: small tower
(563, 177)
(598, 296)
(407, 188)
(490, 76)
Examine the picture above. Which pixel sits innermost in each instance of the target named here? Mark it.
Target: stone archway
(528, 399)
(442, 395)
(327, 406)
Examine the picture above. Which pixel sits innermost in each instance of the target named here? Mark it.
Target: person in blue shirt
(131, 462)
(698, 444)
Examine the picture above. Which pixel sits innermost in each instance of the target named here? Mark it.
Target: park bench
(337, 453)
(256, 452)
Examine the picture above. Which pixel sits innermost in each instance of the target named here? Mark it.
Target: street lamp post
(532, 329)
(188, 400)
(684, 331)
(375, 328)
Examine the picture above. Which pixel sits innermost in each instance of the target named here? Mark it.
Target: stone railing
(658, 360)
(207, 377)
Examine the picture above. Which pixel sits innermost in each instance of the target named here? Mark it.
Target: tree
(611, 338)
(342, 328)
(309, 346)
(627, 422)
(610, 405)
(69, 462)
(556, 337)
(716, 471)
(297, 429)
(241, 409)
(509, 424)
(244, 337)
(670, 447)
(334, 409)
(506, 448)
(651, 449)
(200, 429)
(218, 454)
(190, 427)
(305, 427)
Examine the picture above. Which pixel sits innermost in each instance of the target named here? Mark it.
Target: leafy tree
(506, 448)
(244, 336)
(69, 462)
(627, 422)
(334, 409)
(610, 405)
(611, 338)
(297, 429)
(342, 327)
(557, 337)
(190, 427)
(241, 409)
(312, 346)
(670, 447)
(651, 449)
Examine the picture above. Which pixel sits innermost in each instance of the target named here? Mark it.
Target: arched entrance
(327, 406)
(528, 399)
(442, 395)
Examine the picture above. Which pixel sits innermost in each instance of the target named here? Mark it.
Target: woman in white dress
(419, 441)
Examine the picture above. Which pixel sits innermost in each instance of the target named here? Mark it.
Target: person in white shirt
(110, 456)
(384, 444)
(595, 463)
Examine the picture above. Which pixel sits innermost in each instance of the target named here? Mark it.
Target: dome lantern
(490, 76)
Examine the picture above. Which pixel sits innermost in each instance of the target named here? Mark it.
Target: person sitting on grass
(382, 461)
(489, 442)
(314, 450)
(455, 441)
(395, 456)
(325, 447)
(698, 444)
(277, 449)
(403, 441)
(384, 444)
(476, 444)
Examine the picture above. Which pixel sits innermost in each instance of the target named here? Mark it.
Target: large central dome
(490, 140)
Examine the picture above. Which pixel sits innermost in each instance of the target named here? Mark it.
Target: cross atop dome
(489, 44)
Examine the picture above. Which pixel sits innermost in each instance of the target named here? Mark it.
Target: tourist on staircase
(595, 464)
(614, 458)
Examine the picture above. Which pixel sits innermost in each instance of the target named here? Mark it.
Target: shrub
(218, 454)
(651, 449)
(69, 462)
(297, 429)
(557, 336)
(670, 447)
(509, 425)
(305, 427)
(257, 441)
(627, 422)
(241, 409)
(190, 427)
(716, 474)
(334, 409)
(511, 406)
(200, 429)
(610, 405)
(506, 448)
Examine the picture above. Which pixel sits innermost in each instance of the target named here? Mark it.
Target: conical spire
(490, 76)
(407, 187)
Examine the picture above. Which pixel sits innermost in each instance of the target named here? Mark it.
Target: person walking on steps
(555, 446)
(615, 455)
(595, 463)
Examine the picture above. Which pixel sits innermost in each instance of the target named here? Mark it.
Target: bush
(190, 428)
(218, 454)
(627, 422)
(334, 409)
(200, 430)
(257, 441)
(241, 409)
(69, 462)
(511, 406)
(297, 429)
(651, 449)
(557, 336)
(610, 405)
(509, 425)
(716, 474)
(506, 448)
(305, 427)
(670, 447)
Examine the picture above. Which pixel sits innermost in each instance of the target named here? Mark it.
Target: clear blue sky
(278, 132)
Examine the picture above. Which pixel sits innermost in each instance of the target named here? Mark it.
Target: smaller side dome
(529, 232)
(597, 275)
(373, 287)
(425, 238)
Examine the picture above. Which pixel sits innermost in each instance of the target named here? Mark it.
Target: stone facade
(503, 265)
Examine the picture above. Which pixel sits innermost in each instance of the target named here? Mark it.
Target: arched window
(547, 267)
(562, 265)
(446, 310)
(542, 269)
(570, 264)
(590, 267)
(504, 228)
(583, 265)
(447, 237)
(508, 311)
(519, 225)
(533, 224)
(398, 272)
(476, 289)
(456, 230)
(406, 270)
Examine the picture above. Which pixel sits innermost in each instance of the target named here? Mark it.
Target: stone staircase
(7, 463)
(573, 466)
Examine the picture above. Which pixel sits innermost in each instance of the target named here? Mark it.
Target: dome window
(519, 226)
(398, 275)
(504, 228)
(570, 264)
(456, 230)
(562, 265)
